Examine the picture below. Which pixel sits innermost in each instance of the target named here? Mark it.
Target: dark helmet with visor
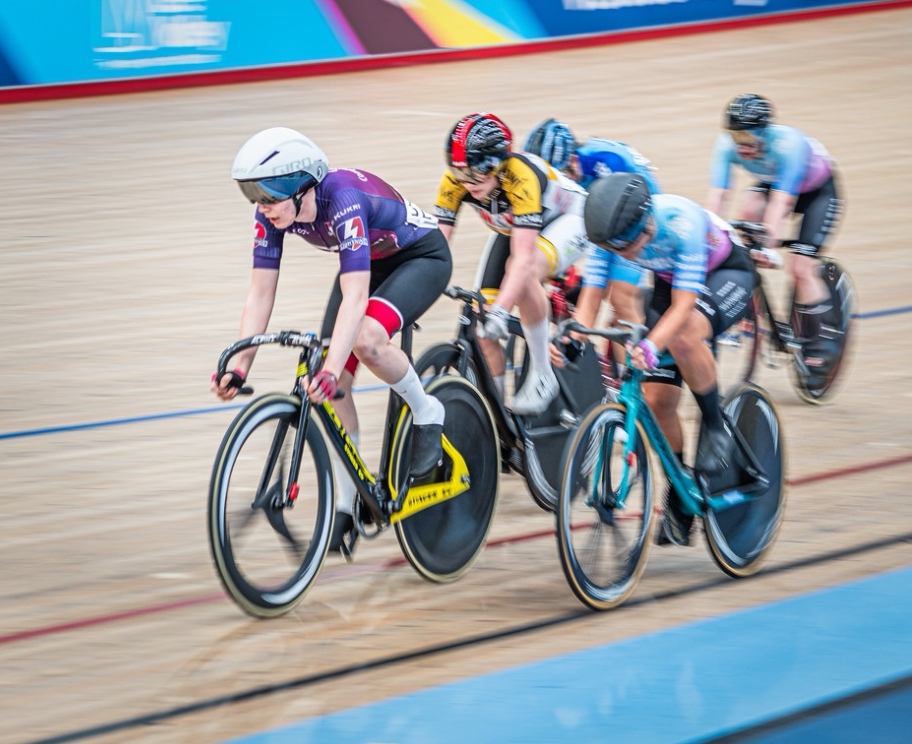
(278, 164)
(617, 210)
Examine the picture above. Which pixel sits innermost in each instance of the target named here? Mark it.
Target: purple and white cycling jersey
(359, 216)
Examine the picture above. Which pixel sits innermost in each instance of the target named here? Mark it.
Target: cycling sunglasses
(627, 238)
(745, 137)
(274, 190)
(470, 175)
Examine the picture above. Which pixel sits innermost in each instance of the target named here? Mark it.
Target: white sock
(345, 486)
(537, 341)
(425, 408)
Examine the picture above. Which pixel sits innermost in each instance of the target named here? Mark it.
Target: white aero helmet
(278, 164)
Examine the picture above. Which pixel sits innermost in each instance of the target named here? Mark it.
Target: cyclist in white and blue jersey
(606, 276)
(794, 174)
(702, 286)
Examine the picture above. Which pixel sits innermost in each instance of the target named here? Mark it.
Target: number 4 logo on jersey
(353, 230)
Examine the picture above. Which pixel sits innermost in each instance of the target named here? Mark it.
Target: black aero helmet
(478, 143)
(616, 210)
(747, 111)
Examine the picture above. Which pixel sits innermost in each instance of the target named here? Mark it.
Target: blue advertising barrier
(49, 48)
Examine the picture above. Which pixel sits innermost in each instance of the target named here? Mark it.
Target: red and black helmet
(478, 143)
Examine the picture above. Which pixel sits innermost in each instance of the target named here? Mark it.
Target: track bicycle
(606, 511)
(530, 445)
(272, 491)
(763, 335)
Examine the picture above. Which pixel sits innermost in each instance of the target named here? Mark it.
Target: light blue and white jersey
(688, 243)
(789, 161)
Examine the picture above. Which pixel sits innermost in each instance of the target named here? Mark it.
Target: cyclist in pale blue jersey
(702, 286)
(794, 175)
(606, 276)
(393, 264)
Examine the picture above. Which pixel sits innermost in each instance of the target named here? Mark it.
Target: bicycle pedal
(347, 548)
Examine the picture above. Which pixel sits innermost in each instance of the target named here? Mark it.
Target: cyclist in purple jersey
(393, 264)
(794, 175)
(702, 287)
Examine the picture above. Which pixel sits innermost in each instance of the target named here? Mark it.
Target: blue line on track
(214, 409)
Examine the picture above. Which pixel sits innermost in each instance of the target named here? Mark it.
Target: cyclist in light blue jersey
(702, 287)
(606, 276)
(794, 174)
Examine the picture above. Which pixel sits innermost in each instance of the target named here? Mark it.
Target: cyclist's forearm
(674, 319)
(355, 294)
(777, 211)
(257, 311)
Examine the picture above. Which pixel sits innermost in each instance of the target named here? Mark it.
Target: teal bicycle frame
(694, 498)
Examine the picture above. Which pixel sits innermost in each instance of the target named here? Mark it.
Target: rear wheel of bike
(267, 555)
(604, 533)
(738, 349)
(819, 388)
(441, 359)
(740, 536)
(443, 541)
(547, 434)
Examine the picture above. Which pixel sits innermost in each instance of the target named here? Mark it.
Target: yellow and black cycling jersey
(529, 193)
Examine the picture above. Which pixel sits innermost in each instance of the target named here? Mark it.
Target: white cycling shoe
(536, 393)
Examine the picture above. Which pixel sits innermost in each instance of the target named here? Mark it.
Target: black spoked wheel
(741, 535)
(819, 388)
(738, 350)
(443, 541)
(605, 515)
(268, 555)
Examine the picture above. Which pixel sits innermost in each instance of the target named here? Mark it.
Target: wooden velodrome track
(126, 258)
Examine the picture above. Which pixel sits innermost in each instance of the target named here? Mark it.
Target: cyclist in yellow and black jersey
(537, 216)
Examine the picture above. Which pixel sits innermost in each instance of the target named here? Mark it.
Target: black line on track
(746, 735)
(257, 692)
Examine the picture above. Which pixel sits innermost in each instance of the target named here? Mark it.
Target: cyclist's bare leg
(810, 289)
(663, 399)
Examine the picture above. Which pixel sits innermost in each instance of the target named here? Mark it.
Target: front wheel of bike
(268, 554)
(443, 541)
(605, 514)
(818, 389)
(741, 535)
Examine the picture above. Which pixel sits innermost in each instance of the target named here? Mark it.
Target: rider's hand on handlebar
(322, 387)
(766, 258)
(565, 350)
(229, 384)
(495, 326)
(644, 356)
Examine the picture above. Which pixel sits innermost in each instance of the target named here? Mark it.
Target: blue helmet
(553, 141)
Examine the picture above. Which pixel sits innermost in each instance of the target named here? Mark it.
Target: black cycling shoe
(344, 534)
(427, 449)
(716, 451)
(676, 525)
(819, 353)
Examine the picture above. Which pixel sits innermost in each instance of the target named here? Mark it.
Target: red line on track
(338, 572)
